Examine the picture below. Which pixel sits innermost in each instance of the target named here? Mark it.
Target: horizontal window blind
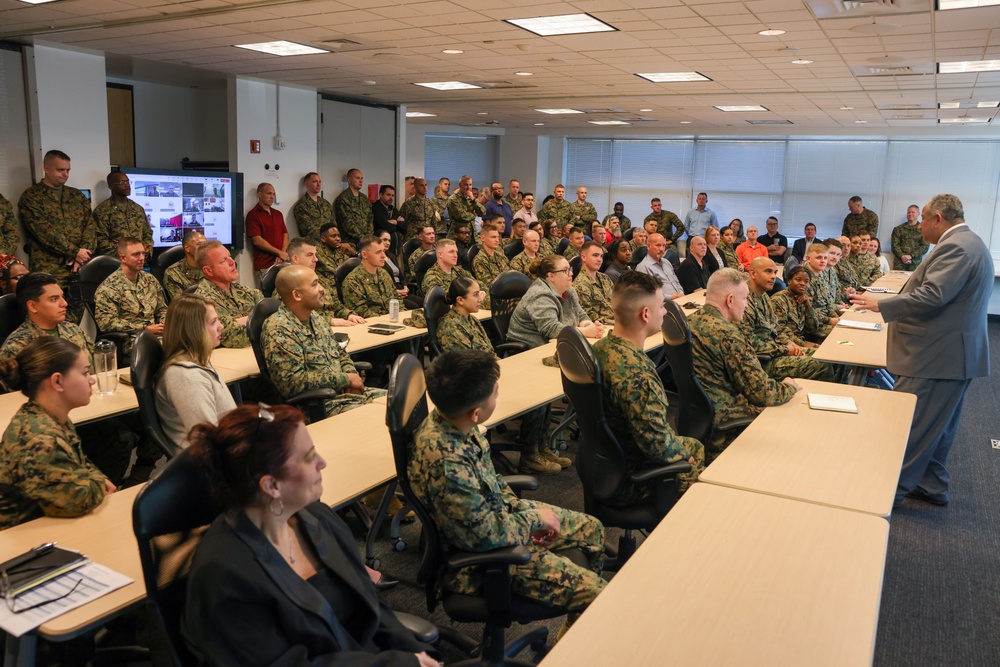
(452, 156)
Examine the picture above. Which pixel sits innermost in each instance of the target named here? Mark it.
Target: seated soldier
(824, 303)
(846, 275)
(302, 252)
(445, 269)
(331, 253)
(576, 239)
(427, 236)
(522, 261)
(794, 311)
(760, 326)
(300, 350)
(490, 262)
(867, 265)
(474, 509)
(130, 300)
(232, 300)
(41, 300)
(634, 400)
(724, 361)
(593, 287)
(835, 285)
(183, 273)
(368, 289)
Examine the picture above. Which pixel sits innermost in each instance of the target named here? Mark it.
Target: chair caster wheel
(375, 564)
(538, 644)
(400, 545)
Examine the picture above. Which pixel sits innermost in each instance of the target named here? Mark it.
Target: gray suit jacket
(937, 323)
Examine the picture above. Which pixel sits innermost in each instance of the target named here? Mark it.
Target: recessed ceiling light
(964, 66)
(566, 24)
(742, 107)
(802, 61)
(643, 110)
(685, 122)
(847, 108)
(963, 4)
(608, 122)
(771, 33)
(524, 74)
(558, 111)
(482, 113)
(419, 114)
(37, 2)
(967, 119)
(988, 105)
(453, 52)
(281, 48)
(948, 105)
(860, 122)
(539, 123)
(368, 82)
(673, 77)
(448, 85)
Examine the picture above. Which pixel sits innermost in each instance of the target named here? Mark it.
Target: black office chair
(513, 248)
(420, 269)
(147, 359)
(166, 259)
(404, 257)
(696, 412)
(600, 462)
(790, 264)
(269, 277)
(92, 274)
(575, 264)
(563, 244)
(341, 272)
(473, 251)
(627, 234)
(675, 260)
(435, 307)
(505, 293)
(11, 315)
(496, 606)
(638, 255)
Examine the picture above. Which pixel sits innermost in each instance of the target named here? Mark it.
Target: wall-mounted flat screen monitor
(178, 201)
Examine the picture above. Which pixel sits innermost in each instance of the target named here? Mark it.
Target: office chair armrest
(115, 336)
(763, 358)
(362, 365)
(507, 349)
(312, 395)
(670, 470)
(422, 629)
(518, 555)
(733, 424)
(518, 483)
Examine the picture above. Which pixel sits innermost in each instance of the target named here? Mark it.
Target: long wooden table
(737, 578)
(848, 461)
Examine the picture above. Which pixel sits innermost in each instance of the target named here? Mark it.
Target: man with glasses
(654, 264)
(130, 300)
(119, 217)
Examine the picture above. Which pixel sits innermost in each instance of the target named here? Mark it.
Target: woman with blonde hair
(189, 390)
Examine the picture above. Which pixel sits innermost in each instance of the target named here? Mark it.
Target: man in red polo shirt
(267, 231)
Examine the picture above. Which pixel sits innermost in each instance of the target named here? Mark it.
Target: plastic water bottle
(106, 366)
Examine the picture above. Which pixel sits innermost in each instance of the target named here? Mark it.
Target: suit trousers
(935, 421)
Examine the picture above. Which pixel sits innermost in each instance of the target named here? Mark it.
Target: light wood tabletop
(856, 347)
(848, 461)
(237, 363)
(736, 578)
(101, 405)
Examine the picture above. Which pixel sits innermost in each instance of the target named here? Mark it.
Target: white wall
(15, 151)
(353, 135)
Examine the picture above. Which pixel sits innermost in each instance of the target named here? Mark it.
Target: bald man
(300, 350)
(302, 252)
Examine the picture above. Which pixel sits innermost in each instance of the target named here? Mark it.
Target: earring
(281, 507)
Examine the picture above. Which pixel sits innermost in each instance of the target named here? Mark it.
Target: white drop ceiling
(879, 57)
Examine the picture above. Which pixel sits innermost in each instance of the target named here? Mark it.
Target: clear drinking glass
(106, 366)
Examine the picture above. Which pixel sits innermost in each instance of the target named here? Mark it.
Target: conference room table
(731, 577)
(843, 460)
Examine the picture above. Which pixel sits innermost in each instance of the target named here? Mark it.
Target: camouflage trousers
(534, 431)
(345, 402)
(798, 367)
(550, 578)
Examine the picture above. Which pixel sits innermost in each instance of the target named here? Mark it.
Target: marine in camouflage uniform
(728, 254)
(43, 471)
(179, 276)
(368, 294)
(129, 307)
(355, 219)
(760, 326)
(570, 252)
(636, 409)
(458, 331)
(475, 510)
(859, 223)
(230, 306)
(665, 221)
(420, 212)
(866, 268)
(560, 212)
(728, 370)
(522, 263)
(29, 331)
(118, 221)
(441, 221)
(464, 209)
(516, 202)
(796, 321)
(311, 215)
(847, 277)
(587, 214)
(547, 246)
(9, 236)
(304, 355)
(907, 240)
(823, 302)
(327, 262)
(595, 295)
(487, 268)
(436, 277)
(411, 261)
(332, 305)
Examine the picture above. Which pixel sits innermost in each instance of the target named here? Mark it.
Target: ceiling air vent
(770, 122)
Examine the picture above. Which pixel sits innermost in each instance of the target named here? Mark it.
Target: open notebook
(832, 403)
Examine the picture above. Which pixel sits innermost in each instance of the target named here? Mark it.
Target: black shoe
(384, 583)
(921, 495)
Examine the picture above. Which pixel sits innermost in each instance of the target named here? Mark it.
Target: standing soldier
(581, 212)
(860, 219)
(440, 200)
(908, 245)
(419, 211)
(119, 217)
(557, 208)
(353, 210)
(462, 206)
(665, 221)
(514, 196)
(311, 211)
(8, 228)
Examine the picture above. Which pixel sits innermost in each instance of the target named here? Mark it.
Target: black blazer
(246, 606)
(713, 265)
(693, 276)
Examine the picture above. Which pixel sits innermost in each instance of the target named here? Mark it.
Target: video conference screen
(176, 202)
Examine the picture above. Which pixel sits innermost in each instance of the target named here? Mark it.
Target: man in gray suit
(938, 342)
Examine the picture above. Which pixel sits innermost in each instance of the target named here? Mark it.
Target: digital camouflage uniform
(515, 202)
(860, 223)
(368, 294)
(179, 276)
(419, 212)
(823, 302)
(595, 296)
(327, 262)
(665, 221)
(304, 355)
(636, 409)
(907, 240)
(435, 277)
(464, 209)
(587, 214)
(9, 236)
(332, 305)
(29, 331)
(457, 331)
(559, 212)
(117, 221)
(126, 306)
(475, 510)
(230, 306)
(728, 370)
(866, 268)
(354, 216)
(547, 246)
(411, 261)
(43, 471)
(795, 320)
(441, 204)
(570, 252)
(522, 263)
(311, 215)
(846, 278)
(623, 221)
(729, 254)
(760, 326)
(486, 270)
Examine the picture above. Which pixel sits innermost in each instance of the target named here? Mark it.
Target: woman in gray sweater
(549, 305)
(189, 390)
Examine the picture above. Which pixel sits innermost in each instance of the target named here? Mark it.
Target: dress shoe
(923, 496)
(384, 583)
